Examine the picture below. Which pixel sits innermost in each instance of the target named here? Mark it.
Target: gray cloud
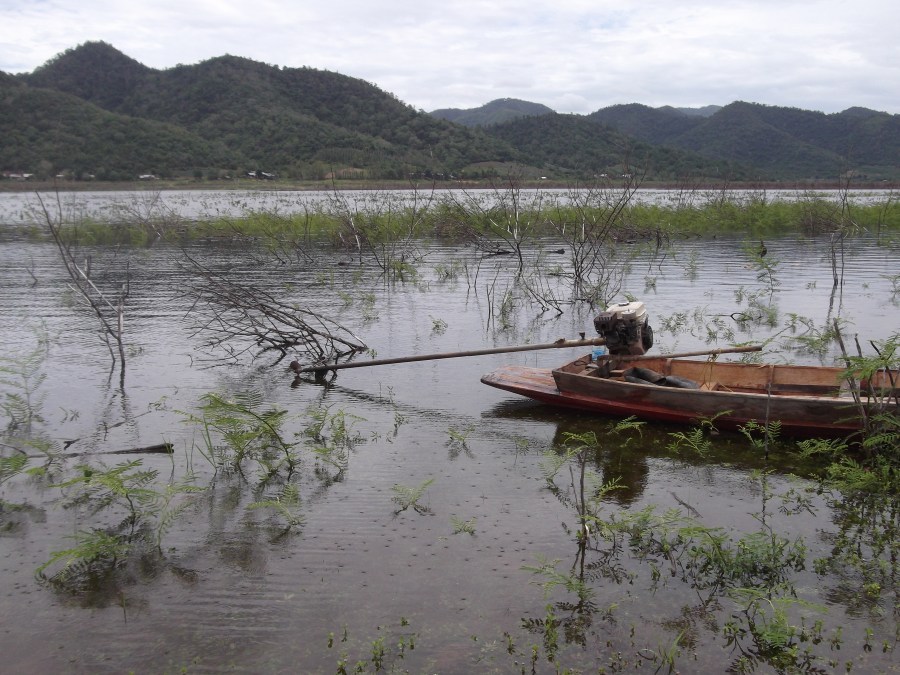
(573, 55)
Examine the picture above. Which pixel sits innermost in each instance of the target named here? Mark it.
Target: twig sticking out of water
(242, 320)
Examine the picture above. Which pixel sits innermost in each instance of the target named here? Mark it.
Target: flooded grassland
(408, 518)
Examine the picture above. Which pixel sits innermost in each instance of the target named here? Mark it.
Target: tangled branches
(243, 320)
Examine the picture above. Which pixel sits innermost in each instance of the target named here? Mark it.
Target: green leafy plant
(124, 485)
(10, 467)
(95, 555)
(461, 526)
(21, 378)
(438, 326)
(334, 436)
(459, 438)
(408, 497)
(383, 654)
(285, 504)
(127, 490)
(236, 430)
(551, 578)
(764, 263)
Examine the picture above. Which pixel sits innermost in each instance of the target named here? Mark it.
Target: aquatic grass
(383, 654)
(388, 221)
(10, 467)
(279, 231)
(459, 437)
(96, 554)
(438, 325)
(710, 560)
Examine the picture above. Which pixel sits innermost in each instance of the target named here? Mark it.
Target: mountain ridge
(228, 114)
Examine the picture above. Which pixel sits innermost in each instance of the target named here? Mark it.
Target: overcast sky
(572, 55)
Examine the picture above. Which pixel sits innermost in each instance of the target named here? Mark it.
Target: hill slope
(495, 112)
(573, 144)
(780, 142)
(275, 118)
(50, 132)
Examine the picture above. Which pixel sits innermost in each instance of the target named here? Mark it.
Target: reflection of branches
(245, 320)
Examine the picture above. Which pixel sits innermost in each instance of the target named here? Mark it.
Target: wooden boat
(808, 400)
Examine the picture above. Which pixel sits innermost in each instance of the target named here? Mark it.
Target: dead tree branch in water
(246, 321)
(108, 308)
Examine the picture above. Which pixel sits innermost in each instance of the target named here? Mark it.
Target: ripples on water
(231, 598)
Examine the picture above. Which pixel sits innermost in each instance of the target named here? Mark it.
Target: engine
(625, 328)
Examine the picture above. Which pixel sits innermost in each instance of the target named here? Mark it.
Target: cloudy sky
(572, 55)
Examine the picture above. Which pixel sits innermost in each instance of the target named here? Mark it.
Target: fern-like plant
(238, 429)
(96, 554)
(407, 497)
(285, 504)
(461, 526)
(21, 378)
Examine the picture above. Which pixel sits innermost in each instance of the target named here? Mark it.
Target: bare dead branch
(241, 321)
(111, 314)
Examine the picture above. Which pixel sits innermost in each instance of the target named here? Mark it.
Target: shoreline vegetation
(510, 215)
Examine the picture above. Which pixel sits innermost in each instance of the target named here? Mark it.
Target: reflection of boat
(807, 400)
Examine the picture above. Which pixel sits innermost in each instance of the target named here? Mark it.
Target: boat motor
(625, 328)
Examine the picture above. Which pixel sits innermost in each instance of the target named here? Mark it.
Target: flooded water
(450, 581)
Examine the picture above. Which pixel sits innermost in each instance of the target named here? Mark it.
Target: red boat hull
(799, 406)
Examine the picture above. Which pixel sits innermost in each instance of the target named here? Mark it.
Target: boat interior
(712, 375)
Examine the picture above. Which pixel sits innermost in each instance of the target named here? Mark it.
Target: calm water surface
(231, 595)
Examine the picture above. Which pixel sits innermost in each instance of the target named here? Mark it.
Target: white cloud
(573, 55)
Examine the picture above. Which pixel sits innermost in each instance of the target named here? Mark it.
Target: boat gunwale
(577, 367)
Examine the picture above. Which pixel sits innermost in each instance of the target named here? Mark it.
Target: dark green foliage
(574, 145)
(653, 125)
(95, 72)
(47, 132)
(780, 142)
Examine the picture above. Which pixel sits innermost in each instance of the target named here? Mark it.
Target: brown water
(230, 594)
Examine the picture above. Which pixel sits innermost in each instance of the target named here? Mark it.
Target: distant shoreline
(501, 184)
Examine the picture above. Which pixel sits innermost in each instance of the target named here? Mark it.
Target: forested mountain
(574, 145)
(45, 131)
(653, 125)
(93, 110)
(297, 120)
(705, 111)
(780, 142)
(495, 112)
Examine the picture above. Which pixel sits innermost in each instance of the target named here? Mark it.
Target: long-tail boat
(807, 400)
